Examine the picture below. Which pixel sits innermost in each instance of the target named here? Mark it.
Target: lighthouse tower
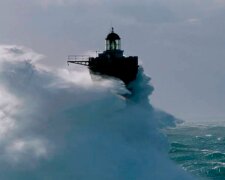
(111, 62)
(113, 41)
(113, 44)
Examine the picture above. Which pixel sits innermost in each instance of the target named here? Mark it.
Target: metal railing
(78, 59)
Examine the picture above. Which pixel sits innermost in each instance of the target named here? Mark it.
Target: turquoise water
(199, 150)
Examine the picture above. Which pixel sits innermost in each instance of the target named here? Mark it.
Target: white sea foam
(58, 124)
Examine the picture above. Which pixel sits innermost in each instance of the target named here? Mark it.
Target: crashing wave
(58, 124)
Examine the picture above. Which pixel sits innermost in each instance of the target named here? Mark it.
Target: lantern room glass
(113, 45)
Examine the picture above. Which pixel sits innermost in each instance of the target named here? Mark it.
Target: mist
(180, 43)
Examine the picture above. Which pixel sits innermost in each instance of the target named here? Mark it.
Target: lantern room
(113, 41)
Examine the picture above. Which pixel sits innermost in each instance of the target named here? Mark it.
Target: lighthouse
(113, 41)
(110, 62)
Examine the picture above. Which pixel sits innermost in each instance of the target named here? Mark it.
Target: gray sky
(180, 43)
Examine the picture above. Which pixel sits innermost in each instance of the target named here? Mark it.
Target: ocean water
(199, 149)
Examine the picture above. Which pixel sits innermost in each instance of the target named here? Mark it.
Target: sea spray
(73, 129)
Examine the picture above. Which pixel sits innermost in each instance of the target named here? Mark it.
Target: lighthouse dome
(112, 36)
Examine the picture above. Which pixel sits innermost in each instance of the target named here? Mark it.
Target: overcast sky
(179, 42)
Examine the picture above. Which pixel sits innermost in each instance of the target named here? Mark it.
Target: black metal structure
(111, 62)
